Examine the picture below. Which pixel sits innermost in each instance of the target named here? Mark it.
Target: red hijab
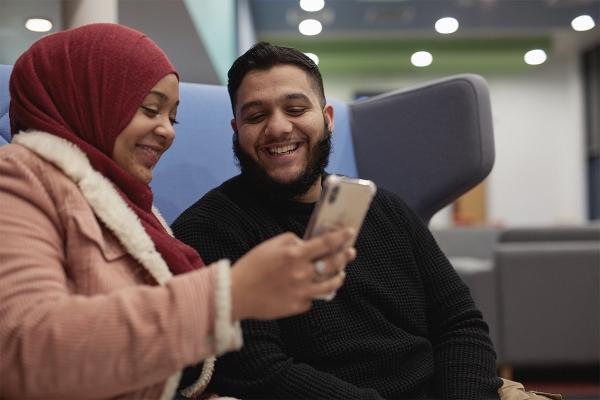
(85, 85)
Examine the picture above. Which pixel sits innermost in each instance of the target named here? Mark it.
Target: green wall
(392, 56)
(215, 21)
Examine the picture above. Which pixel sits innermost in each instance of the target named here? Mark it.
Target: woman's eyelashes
(149, 111)
(154, 113)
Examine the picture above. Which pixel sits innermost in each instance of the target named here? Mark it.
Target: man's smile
(282, 149)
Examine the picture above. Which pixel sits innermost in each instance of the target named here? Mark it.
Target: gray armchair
(549, 297)
(429, 144)
(538, 288)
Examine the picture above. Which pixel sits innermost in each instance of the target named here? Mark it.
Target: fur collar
(100, 193)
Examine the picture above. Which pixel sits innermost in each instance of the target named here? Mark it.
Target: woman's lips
(149, 154)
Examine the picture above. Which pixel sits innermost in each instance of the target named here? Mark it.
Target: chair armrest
(548, 301)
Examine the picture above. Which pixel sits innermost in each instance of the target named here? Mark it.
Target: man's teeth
(288, 148)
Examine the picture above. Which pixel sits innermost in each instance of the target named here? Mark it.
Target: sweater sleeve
(59, 344)
(261, 369)
(465, 361)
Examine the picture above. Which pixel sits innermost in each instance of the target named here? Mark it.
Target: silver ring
(319, 267)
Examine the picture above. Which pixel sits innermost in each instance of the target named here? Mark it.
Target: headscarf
(85, 85)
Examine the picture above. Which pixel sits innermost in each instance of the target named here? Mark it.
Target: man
(402, 326)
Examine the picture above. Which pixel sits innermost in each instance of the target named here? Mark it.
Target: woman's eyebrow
(159, 94)
(162, 96)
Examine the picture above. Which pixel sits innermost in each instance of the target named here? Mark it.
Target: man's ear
(233, 125)
(328, 114)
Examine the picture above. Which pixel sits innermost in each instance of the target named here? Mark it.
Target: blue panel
(201, 156)
(4, 101)
(342, 160)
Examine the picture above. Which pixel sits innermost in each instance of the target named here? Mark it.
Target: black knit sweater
(402, 326)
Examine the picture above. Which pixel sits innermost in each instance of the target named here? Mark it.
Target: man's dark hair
(264, 56)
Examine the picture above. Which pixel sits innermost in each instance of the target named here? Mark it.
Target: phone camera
(333, 194)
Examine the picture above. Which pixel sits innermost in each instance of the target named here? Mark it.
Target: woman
(89, 306)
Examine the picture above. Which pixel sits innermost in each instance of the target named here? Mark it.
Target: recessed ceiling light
(310, 27)
(583, 23)
(421, 59)
(446, 25)
(312, 5)
(38, 24)
(313, 57)
(535, 57)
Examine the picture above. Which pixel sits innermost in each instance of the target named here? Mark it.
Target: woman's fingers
(330, 275)
(325, 289)
(282, 276)
(327, 243)
(334, 263)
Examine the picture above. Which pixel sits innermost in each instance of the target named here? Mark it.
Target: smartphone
(344, 202)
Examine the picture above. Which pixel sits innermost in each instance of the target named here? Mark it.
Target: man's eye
(151, 112)
(296, 110)
(253, 118)
(173, 121)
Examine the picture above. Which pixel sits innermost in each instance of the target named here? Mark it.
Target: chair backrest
(428, 144)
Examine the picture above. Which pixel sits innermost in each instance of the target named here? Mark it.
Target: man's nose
(278, 124)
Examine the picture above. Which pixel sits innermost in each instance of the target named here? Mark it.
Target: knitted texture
(402, 326)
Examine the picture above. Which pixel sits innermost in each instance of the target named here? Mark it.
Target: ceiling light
(313, 57)
(583, 23)
(421, 59)
(446, 25)
(535, 57)
(312, 5)
(38, 24)
(310, 27)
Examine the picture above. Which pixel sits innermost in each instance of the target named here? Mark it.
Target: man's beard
(257, 176)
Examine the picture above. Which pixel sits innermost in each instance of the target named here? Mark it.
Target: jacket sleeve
(465, 361)
(261, 369)
(56, 343)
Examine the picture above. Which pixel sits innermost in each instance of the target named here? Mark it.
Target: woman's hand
(281, 276)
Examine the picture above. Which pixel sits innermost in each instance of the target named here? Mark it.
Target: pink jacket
(79, 316)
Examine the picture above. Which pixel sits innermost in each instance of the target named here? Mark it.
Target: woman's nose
(165, 128)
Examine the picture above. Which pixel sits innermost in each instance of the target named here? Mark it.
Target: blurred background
(541, 59)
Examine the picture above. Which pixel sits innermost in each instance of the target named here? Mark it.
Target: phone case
(344, 201)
